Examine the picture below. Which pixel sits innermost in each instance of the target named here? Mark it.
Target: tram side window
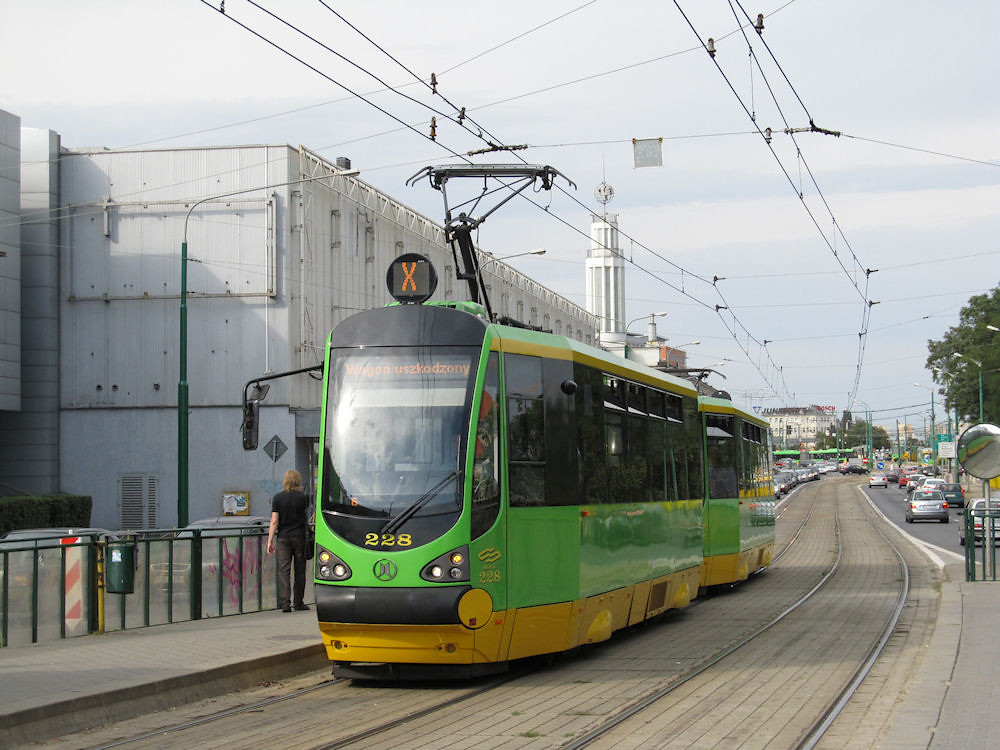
(525, 430)
(685, 439)
(675, 455)
(722, 457)
(636, 395)
(593, 471)
(561, 458)
(637, 467)
(614, 392)
(656, 448)
(676, 464)
(743, 459)
(692, 447)
(614, 425)
(486, 461)
(751, 478)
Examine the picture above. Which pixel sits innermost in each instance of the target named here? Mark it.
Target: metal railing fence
(982, 534)
(51, 590)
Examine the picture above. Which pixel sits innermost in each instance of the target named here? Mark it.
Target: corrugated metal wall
(125, 222)
(10, 262)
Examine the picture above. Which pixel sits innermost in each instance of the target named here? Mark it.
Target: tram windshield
(396, 430)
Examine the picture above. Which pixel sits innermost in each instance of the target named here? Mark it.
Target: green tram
(490, 492)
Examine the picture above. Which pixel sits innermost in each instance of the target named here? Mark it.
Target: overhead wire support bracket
(493, 147)
(458, 230)
(814, 128)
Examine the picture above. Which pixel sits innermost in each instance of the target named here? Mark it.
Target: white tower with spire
(606, 273)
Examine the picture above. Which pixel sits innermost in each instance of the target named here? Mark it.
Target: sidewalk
(954, 703)
(54, 688)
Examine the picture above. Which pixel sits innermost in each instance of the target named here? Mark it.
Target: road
(891, 501)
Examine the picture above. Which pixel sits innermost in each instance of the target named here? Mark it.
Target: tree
(857, 435)
(974, 341)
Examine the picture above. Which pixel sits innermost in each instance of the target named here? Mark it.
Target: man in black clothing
(288, 526)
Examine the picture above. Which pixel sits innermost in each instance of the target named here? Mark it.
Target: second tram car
(489, 492)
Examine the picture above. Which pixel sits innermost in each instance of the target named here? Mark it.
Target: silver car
(981, 516)
(927, 505)
(878, 480)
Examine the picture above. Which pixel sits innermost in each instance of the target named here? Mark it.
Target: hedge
(45, 511)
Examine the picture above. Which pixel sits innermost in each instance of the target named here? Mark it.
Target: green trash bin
(119, 568)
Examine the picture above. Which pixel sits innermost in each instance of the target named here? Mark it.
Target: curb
(122, 704)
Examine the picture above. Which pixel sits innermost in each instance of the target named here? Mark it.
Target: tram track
(629, 721)
(626, 680)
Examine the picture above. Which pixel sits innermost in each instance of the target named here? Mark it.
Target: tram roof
(554, 346)
(725, 406)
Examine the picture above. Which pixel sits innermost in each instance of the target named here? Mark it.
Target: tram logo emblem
(385, 569)
(489, 555)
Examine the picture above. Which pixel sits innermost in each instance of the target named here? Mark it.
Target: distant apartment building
(799, 426)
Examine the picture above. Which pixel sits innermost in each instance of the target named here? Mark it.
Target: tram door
(491, 549)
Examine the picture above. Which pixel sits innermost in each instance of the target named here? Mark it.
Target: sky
(813, 242)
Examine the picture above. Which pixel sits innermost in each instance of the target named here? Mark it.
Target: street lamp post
(933, 438)
(182, 384)
(651, 323)
(953, 434)
(491, 259)
(868, 428)
(980, 366)
(678, 348)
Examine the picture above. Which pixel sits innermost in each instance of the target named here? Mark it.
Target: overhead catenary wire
(735, 321)
(867, 303)
(689, 273)
(682, 271)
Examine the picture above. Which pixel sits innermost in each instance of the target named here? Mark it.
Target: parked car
(212, 531)
(980, 514)
(227, 526)
(953, 493)
(23, 539)
(927, 505)
(878, 480)
(25, 548)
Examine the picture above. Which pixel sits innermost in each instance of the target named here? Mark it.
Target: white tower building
(606, 274)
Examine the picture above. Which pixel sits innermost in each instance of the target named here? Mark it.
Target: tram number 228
(388, 540)
(490, 575)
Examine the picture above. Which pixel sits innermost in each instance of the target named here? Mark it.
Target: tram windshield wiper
(410, 510)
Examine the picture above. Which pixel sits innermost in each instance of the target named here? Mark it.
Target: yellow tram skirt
(415, 644)
(512, 634)
(720, 569)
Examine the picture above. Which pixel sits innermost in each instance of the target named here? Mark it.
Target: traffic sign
(881, 465)
(944, 437)
(275, 448)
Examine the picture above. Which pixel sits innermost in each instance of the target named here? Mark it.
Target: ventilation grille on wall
(138, 501)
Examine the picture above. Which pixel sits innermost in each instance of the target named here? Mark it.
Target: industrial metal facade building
(281, 247)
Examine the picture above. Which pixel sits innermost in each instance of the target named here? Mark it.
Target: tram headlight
(455, 562)
(329, 567)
